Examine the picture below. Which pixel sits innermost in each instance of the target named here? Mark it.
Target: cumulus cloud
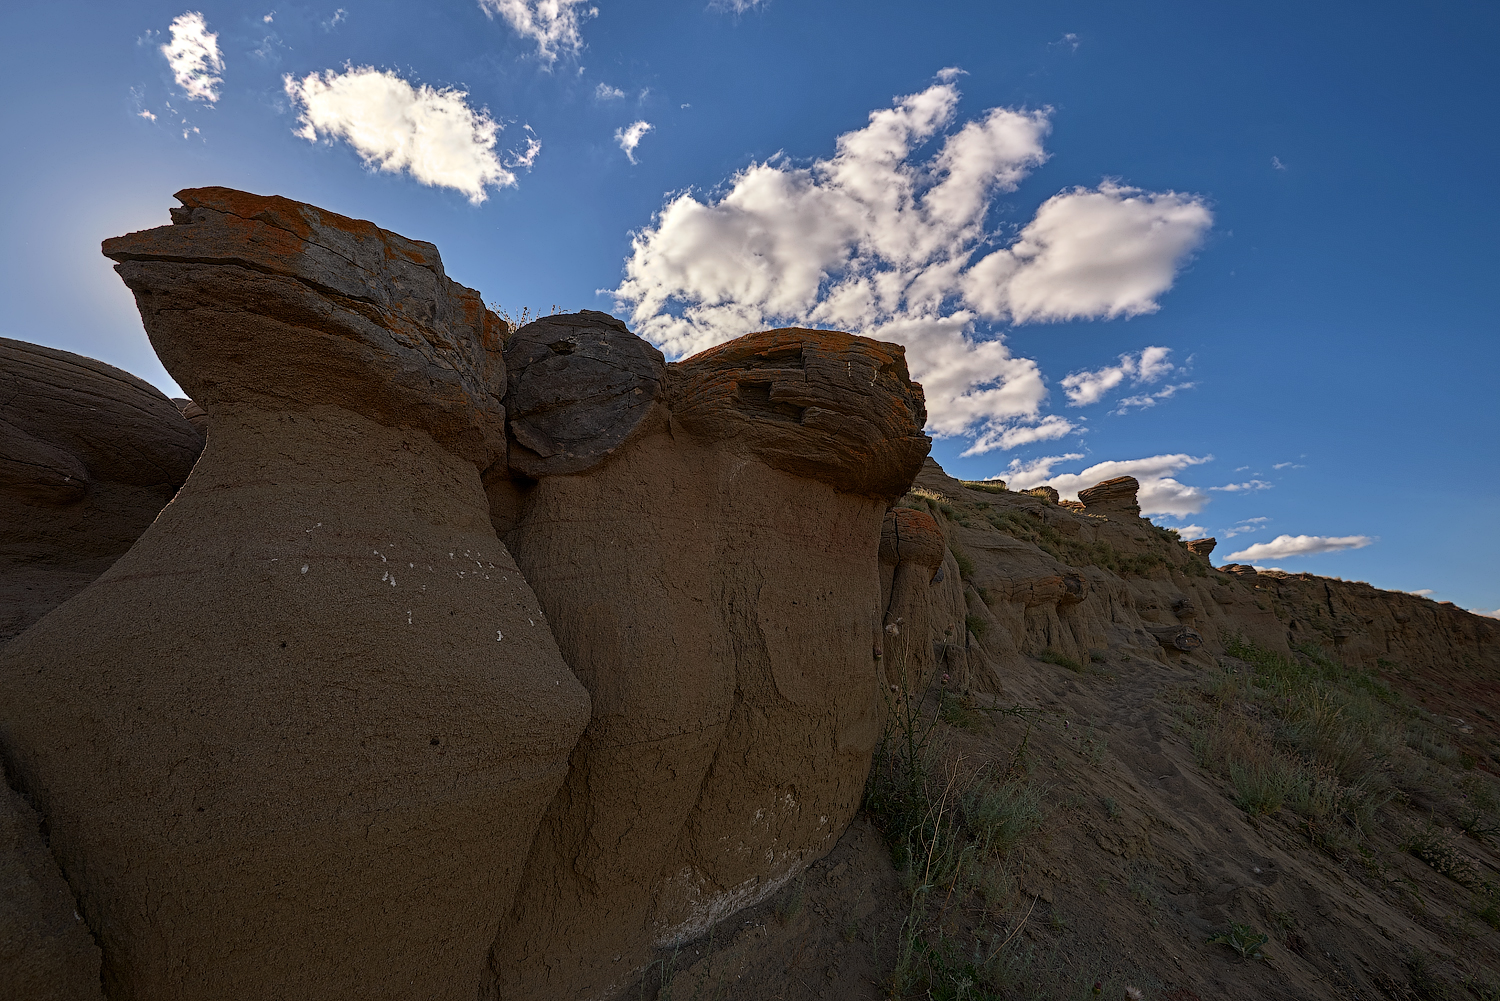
(554, 25)
(629, 137)
(1084, 388)
(1300, 545)
(1191, 532)
(1421, 592)
(432, 134)
(878, 242)
(1489, 615)
(193, 54)
(605, 92)
(1248, 485)
(1160, 492)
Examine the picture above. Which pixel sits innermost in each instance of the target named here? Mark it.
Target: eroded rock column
(704, 536)
(297, 741)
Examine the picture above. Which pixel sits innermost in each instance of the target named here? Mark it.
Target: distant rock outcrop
(1201, 547)
(88, 455)
(297, 741)
(1116, 496)
(703, 536)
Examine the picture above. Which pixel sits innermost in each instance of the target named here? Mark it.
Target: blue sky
(1246, 255)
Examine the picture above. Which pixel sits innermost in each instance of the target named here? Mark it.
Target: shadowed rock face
(1113, 497)
(708, 557)
(46, 953)
(912, 549)
(88, 455)
(297, 741)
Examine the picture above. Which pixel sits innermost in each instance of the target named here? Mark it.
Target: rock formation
(88, 455)
(1201, 547)
(297, 741)
(46, 953)
(1116, 496)
(704, 538)
(912, 572)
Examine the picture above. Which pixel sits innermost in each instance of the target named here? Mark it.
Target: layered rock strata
(297, 741)
(704, 537)
(88, 456)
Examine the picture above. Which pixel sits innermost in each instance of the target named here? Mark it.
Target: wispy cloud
(1248, 485)
(193, 54)
(1247, 526)
(878, 242)
(1191, 532)
(950, 73)
(605, 92)
(1084, 388)
(1489, 615)
(1068, 41)
(1145, 400)
(1421, 592)
(533, 150)
(737, 6)
(1284, 546)
(1288, 465)
(1276, 163)
(339, 17)
(630, 136)
(432, 134)
(1011, 436)
(554, 25)
(1160, 492)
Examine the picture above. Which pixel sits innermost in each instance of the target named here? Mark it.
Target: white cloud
(1191, 532)
(1152, 399)
(1287, 465)
(267, 19)
(736, 6)
(1421, 592)
(1160, 493)
(194, 57)
(1248, 485)
(1012, 435)
(605, 92)
(1246, 526)
(1489, 615)
(1070, 40)
(871, 241)
(1084, 388)
(432, 134)
(339, 17)
(1300, 545)
(950, 73)
(552, 24)
(533, 150)
(148, 116)
(1277, 164)
(629, 137)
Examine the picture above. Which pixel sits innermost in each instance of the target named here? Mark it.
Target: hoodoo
(297, 741)
(704, 537)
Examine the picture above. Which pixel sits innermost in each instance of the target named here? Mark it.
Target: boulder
(708, 554)
(46, 953)
(88, 456)
(1113, 497)
(297, 741)
(1046, 493)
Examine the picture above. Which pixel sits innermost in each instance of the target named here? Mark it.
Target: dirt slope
(1101, 811)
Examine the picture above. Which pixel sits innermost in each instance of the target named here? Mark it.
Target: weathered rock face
(1113, 497)
(1202, 547)
(912, 572)
(296, 742)
(704, 538)
(88, 456)
(46, 953)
